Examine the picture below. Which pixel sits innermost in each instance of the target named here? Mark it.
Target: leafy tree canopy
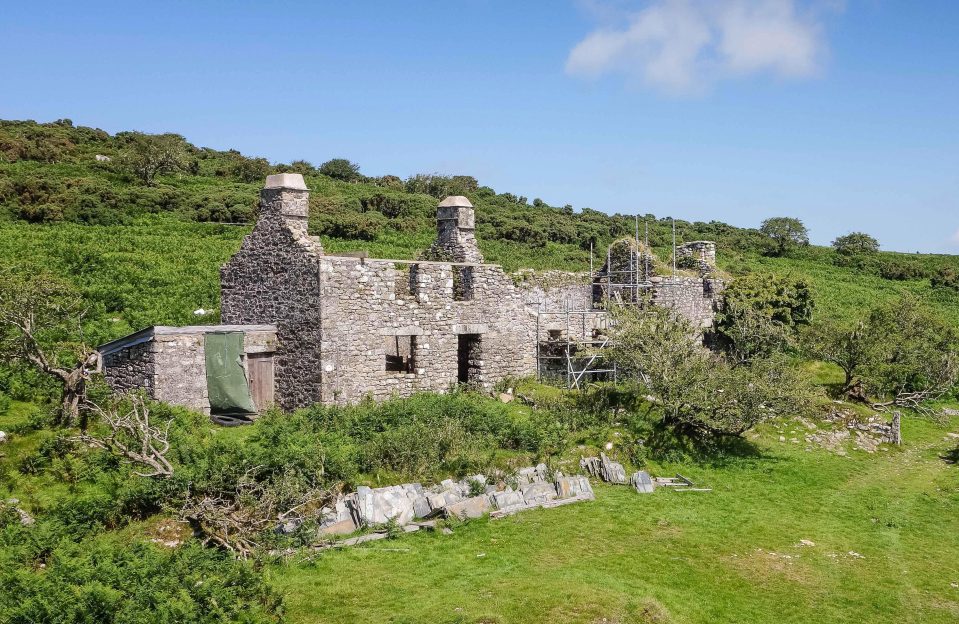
(856, 243)
(785, 234)
(341, 169)
(760, 313)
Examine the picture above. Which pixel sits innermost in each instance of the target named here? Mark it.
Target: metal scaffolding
(576, 335)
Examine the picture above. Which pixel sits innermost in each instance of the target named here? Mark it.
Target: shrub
(116, 580)
(945, 277)
(855, 243)
(900, 270)
(341, 169)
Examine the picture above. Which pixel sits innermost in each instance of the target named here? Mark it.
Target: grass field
(885, 529)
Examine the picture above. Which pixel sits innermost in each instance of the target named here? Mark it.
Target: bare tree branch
(134, 437)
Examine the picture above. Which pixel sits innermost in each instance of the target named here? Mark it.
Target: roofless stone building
(301, 326)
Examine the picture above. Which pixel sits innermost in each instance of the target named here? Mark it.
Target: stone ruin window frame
(464, 277)
(395, 343)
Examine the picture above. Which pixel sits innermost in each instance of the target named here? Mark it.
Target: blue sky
(844, 114)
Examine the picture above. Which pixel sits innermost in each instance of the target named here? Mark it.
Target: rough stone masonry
(347, 327)
(354, 327)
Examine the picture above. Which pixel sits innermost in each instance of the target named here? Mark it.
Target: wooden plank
(260, 370)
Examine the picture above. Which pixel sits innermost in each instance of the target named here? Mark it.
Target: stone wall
(336, 315)
(456, 232)
(694, 298)
(368, 305)
(702, 253)
(274, 278)
(170, 364)
(131, 368)
(181, 371)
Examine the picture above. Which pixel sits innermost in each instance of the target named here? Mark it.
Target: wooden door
(260, 370)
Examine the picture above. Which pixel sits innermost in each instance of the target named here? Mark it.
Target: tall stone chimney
(456, 236)
(285, 198)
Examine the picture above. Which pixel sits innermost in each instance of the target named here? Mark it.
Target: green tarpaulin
(225, 378)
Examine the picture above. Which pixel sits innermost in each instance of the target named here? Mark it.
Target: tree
(785, 234)
(760, 313)
(133, 437)
(341, 169)
(900, 353)
(699, 391)
(149, 155)
(843, 344)
(855, 243)
(41, 325)
(913, 354)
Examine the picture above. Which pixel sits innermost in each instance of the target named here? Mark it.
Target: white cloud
(955, 238)
(684, 46)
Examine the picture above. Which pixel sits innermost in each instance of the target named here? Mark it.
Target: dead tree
(41, 322)
(133, 437)
(236, 519)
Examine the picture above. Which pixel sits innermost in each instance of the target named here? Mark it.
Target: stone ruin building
(301, 326)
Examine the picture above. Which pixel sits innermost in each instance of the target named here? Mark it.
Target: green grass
(730, 555)
(842, 292)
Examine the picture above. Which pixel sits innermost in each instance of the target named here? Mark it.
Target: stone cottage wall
(274, 279)
(130, 369)
(171, 366)
(181, 371)
(694, 298)
(366, 303)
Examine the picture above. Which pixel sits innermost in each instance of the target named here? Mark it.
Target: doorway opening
(469, 359)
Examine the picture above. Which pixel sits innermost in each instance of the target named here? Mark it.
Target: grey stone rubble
(867, 435)
(642, 482)
(25, 518)
(413, 505)
(604, 468)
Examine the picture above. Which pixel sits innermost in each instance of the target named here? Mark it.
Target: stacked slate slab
(410, 502)
(604, 468)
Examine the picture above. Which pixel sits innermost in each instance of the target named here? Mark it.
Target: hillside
(149, 253)
(803, 514)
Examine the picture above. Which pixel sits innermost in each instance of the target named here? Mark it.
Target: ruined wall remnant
(456, 232)
(700, 255)
(364, 314)
(694, 298)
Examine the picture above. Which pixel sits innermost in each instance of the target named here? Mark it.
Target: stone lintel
(470, 328)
